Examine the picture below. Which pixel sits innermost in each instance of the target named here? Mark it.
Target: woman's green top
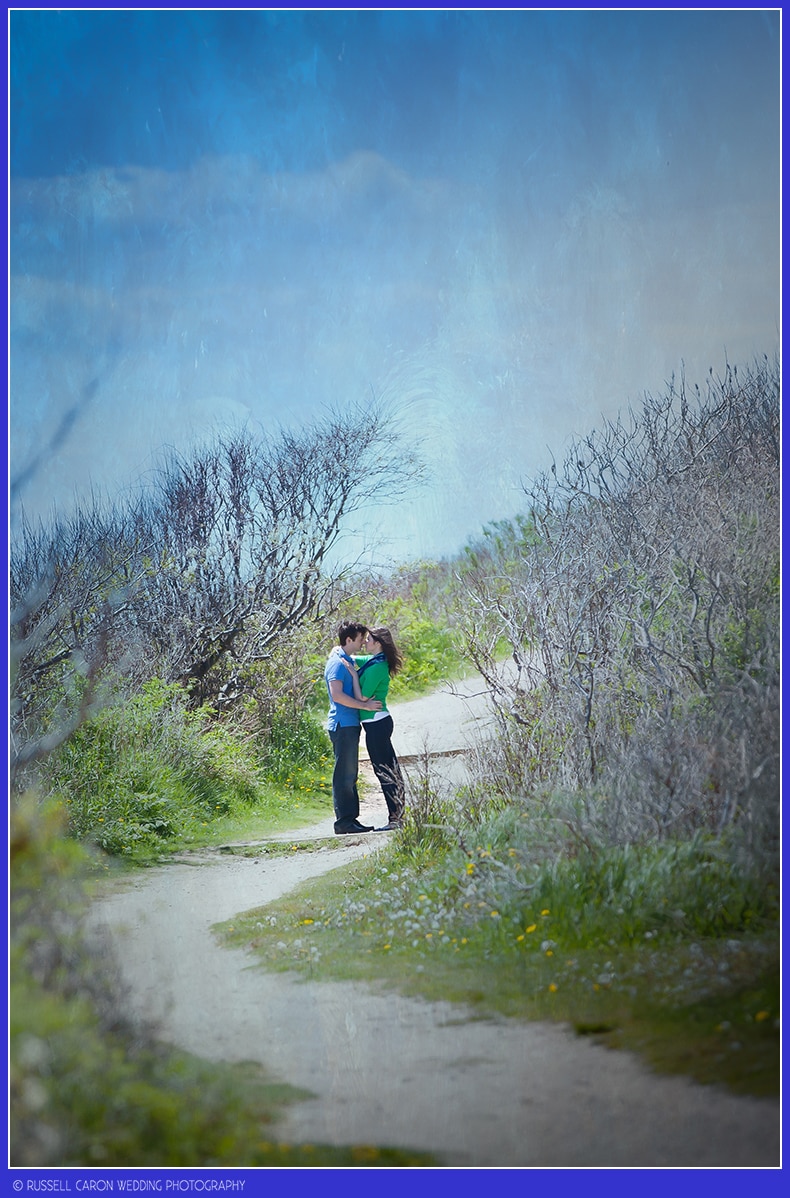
(375, 682)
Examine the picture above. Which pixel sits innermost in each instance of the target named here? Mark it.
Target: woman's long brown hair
(388, 648)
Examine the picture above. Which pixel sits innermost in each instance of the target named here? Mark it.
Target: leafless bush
(72, 588)
(244, 530)
(639, 603)
(198, 577)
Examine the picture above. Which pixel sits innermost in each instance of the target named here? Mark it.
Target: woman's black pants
(378, 738)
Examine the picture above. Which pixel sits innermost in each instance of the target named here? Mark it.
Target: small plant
(295, 741)
(430, 815)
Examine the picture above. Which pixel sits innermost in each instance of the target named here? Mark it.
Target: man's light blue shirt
(340, 716)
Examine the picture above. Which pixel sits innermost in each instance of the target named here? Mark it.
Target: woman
(371, 680)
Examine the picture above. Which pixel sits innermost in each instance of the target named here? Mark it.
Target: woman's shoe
(393, 826)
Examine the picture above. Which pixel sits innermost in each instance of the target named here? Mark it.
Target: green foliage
(747, 636)
(146, 771)
(502, 546)
(296, 741)
(430, 652)
(684, 889)
(146, 775)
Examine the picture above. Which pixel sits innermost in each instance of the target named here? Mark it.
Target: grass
(237, 831)
(708, 1007)
(146, 777)
(278, 809)
(730, 1039)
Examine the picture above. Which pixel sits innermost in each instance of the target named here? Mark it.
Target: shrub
(640, 606)
(145, 770)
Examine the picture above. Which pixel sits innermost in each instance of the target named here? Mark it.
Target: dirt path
(389, 1070)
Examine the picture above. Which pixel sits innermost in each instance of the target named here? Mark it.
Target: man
(343, 727)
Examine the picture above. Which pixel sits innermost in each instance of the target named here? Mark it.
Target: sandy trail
(390, 1070)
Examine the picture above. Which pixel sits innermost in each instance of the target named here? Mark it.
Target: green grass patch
(706, 1006)
(278, 809)
(730, 1038)
(146, 777)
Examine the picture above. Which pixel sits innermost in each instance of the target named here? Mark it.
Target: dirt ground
(390, 1070)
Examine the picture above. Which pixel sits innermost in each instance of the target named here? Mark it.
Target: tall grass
(146, 772)
(523, 861)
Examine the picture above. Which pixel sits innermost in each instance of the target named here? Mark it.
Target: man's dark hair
(349, 631)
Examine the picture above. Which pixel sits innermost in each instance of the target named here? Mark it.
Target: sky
(508, 225)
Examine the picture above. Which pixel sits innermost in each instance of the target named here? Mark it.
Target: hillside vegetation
(620, 831)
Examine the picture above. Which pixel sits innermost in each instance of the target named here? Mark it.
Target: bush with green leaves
(146, 770)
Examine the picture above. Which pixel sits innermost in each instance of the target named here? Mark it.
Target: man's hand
(339, 696)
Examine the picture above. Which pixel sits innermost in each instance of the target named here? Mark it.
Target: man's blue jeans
(345, 796)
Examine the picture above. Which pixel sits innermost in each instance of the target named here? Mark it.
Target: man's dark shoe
(350, 829)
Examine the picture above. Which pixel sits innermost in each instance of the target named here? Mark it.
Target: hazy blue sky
(507, 223)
